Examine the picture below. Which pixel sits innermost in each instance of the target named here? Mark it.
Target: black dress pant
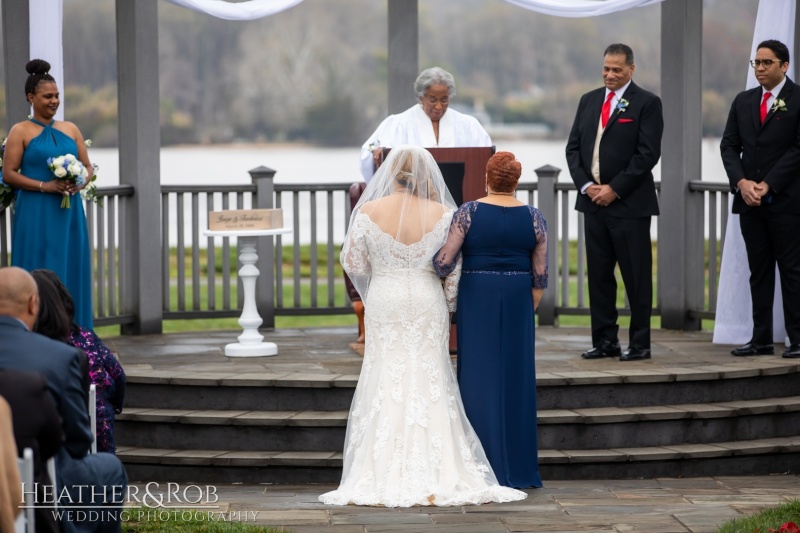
(625, 241)
(772, 238)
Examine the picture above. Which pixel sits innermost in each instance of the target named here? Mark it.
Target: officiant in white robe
(429, 123)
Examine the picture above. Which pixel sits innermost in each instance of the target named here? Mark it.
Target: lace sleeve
(539, 254)
(444, 262)
(355, 256)
(451, 286)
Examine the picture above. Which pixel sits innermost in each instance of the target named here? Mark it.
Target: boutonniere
(373, 146)
(622, 105)
(778, 105)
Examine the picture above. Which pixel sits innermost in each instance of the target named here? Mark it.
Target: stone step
(312, 431)
(600, 415)
(621, 387)
(749, 457)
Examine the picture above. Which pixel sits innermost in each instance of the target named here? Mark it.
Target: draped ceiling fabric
(255, 9)
(580, 8)
(45, 42)
(251, 10)
(734, 320)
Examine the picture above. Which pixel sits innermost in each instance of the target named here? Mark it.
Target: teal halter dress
(44, 234)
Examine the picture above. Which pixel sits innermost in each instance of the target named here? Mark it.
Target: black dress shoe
(604, 349)
(793, 352)
(635, 354)
(752, 348)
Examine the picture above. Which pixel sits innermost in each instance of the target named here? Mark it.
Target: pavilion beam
(681, 255)
(139, 161)
(403, 53)
(16, 53)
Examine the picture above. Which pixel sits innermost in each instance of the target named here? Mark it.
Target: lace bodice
(371, 253)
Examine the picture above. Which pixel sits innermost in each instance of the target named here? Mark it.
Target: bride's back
(404, 217)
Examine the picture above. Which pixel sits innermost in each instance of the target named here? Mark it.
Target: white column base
(262, 349)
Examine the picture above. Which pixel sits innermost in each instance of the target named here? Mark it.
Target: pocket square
(624, 120)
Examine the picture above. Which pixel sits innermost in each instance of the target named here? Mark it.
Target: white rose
(60, 172)
(58, 161)
(69, 157)
(74, 169)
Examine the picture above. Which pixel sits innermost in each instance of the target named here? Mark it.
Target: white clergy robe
(413, 126)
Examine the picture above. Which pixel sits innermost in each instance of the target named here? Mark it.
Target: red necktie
(606, 111)
(764, 106)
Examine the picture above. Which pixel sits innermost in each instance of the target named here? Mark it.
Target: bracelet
(40, 186)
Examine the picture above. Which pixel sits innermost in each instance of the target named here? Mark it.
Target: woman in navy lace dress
(105, 371)
(503, 244)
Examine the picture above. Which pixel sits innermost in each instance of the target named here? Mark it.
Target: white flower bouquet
(69, 168)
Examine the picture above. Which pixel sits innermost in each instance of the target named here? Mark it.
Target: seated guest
(10, 487)
(105, 371)
(430, 123)
(36, 426)
(21, 349)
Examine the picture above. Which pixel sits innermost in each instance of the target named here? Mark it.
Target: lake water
(229, 165)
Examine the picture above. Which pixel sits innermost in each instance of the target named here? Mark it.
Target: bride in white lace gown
(408, 440)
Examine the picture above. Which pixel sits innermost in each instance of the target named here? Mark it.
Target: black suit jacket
(629, 149)
(768, 152)
(37, 425)
(60, 364)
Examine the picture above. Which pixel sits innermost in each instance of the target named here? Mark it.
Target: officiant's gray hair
(434, 76)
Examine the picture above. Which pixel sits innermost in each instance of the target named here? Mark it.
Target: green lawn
(766, 521)
(305, 270)
(191, 521)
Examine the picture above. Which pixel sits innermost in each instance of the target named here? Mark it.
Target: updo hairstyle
(503, 172)
(434, 76)
(38, 71)
(415, 178)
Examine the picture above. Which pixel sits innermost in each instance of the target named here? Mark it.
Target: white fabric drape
(580, 8)
(45, 43)
(734, 320)
(251, 10)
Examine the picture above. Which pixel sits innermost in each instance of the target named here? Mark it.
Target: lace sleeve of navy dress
(451, 286)
(539, 254)
(446, 259)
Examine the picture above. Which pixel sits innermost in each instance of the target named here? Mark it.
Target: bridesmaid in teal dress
(44, 234)
(503, 246)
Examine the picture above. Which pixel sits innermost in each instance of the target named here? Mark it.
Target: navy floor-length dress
(504, 253)
(45, 235)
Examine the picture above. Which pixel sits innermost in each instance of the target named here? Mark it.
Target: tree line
(317, 72)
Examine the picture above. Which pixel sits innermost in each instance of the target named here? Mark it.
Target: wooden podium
(473, 180)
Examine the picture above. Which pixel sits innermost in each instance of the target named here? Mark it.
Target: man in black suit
(761, 153)
(96, 480)
(613, 146)
(37, 426)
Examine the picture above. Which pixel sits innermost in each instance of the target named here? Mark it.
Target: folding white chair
(93, 414)
(51, 470)
(26, 522)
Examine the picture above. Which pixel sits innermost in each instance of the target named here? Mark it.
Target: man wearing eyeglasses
(761, 153)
